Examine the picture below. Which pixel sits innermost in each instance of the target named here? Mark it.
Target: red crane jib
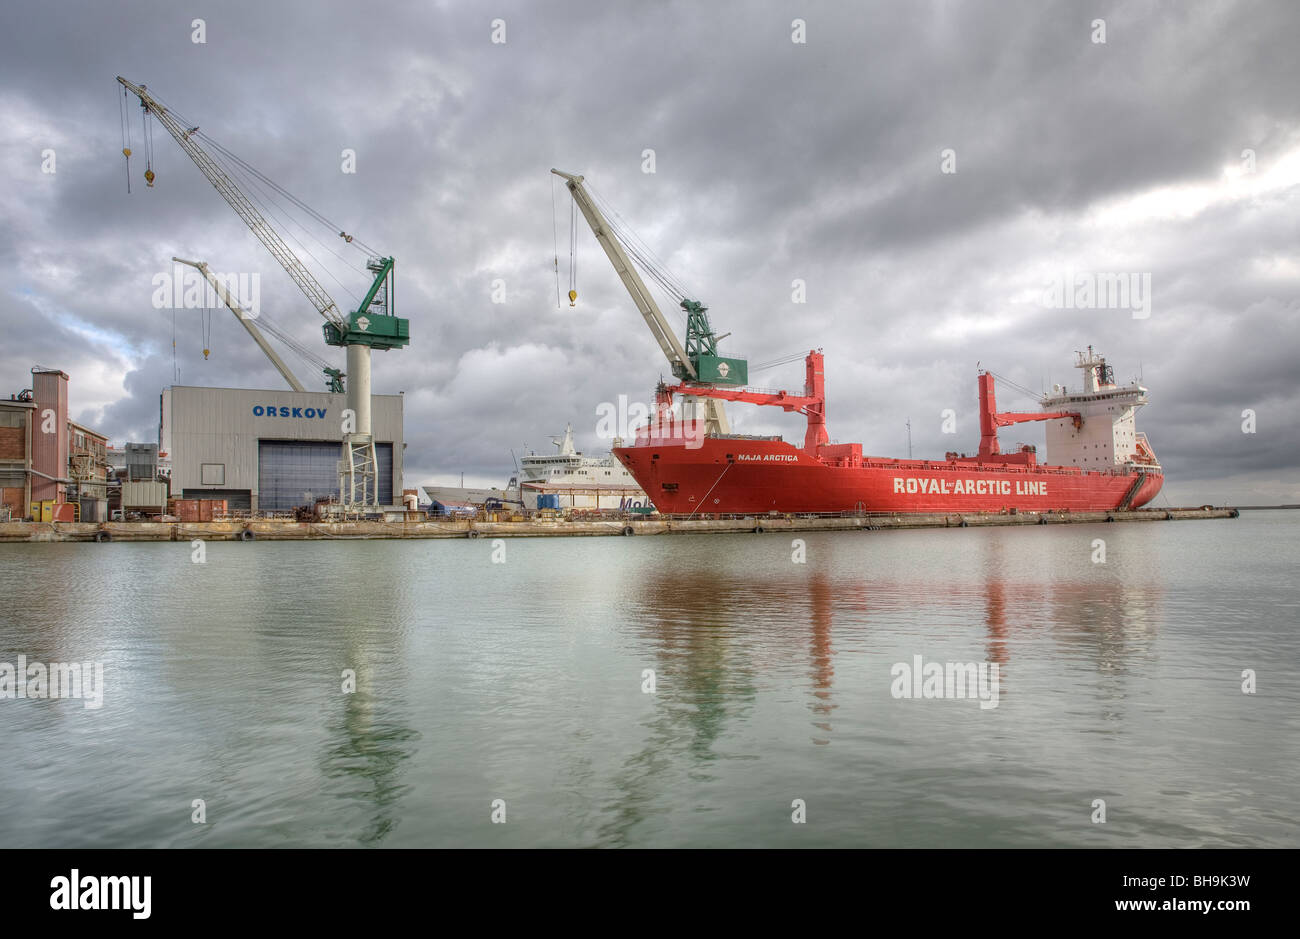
(991, 420)
(811, 404)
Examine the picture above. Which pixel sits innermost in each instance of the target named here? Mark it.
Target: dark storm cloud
(775, 161)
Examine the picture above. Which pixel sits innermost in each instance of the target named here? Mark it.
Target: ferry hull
(730, 475)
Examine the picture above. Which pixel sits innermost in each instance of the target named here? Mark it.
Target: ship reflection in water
(509, 704)
(732, 642)
(715, 633)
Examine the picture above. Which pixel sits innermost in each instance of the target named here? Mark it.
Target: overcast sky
(774, 161)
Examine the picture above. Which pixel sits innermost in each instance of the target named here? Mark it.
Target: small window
(212, 474)
(669, 487)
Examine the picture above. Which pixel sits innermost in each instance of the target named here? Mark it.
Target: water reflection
(368, 741)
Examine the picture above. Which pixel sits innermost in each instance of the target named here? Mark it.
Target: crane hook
(573, 298)
(149, 177)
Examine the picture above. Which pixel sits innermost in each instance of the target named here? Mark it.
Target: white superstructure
(1106, 438)
(581, 482)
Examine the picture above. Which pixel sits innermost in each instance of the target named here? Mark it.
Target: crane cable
(1007, 381)
(555, 243)
(783, 360)
(233, 164)
(349, 239)
(125, 120)
(285, 219)
(573, 253)
(148, 147)
(651, 264)
(235, 158)
(643, 257)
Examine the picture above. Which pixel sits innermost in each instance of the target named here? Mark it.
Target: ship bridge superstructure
(1106, 436)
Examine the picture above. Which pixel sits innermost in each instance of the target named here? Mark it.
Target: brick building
(44, 456)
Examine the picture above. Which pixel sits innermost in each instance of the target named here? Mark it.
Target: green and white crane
(373, 325)
(695, 361)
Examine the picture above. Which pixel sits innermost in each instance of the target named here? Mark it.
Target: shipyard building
(269, 451)
(51, 467)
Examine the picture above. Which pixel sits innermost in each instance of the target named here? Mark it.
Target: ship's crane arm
(235, 197)
(991, 419)
(1007, 418)
(641, 296)
(811, 404)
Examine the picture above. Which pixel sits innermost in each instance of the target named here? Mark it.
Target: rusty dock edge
(277, 530)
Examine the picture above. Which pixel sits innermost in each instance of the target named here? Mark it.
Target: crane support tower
(373, 325)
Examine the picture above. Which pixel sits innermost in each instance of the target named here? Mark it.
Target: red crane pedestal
(991, 420)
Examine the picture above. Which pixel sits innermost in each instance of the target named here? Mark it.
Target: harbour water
(521, 671)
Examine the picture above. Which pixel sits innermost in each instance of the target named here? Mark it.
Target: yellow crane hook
(573, 298)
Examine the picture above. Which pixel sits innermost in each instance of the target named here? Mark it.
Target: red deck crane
(991, 420)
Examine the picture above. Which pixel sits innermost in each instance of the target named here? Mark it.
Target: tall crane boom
(698, 360)
(235, 197)
(641, 296)
(246, 321)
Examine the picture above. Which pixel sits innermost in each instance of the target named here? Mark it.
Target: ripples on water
(523, 682)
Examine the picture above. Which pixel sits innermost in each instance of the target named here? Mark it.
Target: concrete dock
(283, 530)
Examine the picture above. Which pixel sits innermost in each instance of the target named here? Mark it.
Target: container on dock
(145, 497)
(185, 510)
(210, 509)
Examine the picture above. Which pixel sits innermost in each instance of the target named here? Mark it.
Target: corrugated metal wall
(224, 425)
(296, 472)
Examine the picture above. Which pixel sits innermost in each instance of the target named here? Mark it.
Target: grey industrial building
(269, 451)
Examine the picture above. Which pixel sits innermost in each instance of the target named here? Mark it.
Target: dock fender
(1042, 519)
(101, 536)
(1235, 514)
(759, 529)
(1110, 518)
(962, 524)
(247, 535)
(629, 530)
(472, 533)
(1169, 516)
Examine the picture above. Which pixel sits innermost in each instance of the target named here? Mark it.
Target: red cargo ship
(1103, 463)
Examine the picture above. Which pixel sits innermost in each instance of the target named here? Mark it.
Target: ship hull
(745, 476)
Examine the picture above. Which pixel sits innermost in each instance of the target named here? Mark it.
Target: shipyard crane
(333, 377)
(696, 362)
(811, 404)
(373, 325)
(991, 419)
